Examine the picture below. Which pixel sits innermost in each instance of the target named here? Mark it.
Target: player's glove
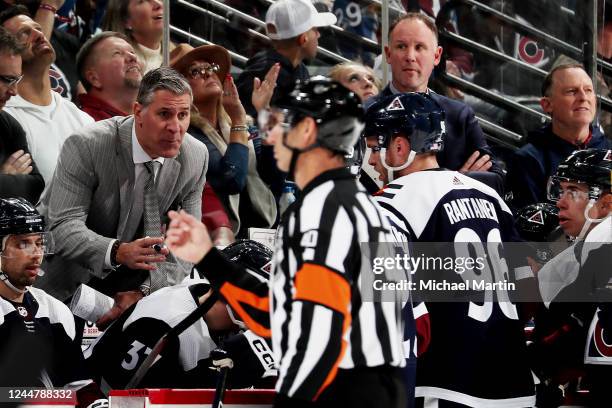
(549, 395)
(220, 359)
(99, 403)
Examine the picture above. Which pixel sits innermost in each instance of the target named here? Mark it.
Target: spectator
(111, 74)
(292, 26)
(102, 201)
(568, 97)
(412, 53)
(361, 19)
(143, 23)
(215, 218)
(62, 74)
(188, 362)
(47, 118)
(19, 176)
(37, 330)
(358, 78)
(220, 123)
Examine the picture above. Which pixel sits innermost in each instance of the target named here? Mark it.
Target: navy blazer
(533, 164)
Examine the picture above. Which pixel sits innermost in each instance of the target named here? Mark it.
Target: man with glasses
(19, 176)
(576, 284)
(37, 331)
(47, 118)
(111, 73)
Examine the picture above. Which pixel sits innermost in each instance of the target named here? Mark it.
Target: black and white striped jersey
(477, 352)
(314, 308)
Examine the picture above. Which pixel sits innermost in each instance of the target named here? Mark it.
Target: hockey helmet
(18, 216)
(591, 166)
(250, 254)
(254, 256)
(337, 111)
(415, 115)
(536, 222)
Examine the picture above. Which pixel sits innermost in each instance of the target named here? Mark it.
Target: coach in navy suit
(412, 53)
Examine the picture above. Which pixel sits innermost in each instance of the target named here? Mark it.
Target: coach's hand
(476, 162)
(187, 237)
(123, 300)
(140, 254)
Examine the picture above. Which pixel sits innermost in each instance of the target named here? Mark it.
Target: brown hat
(184, 54)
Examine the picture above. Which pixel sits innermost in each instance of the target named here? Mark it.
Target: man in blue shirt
(569, 98)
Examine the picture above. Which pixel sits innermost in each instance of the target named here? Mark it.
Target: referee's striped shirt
(313, 308)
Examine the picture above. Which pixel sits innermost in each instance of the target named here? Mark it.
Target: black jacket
(13, 138)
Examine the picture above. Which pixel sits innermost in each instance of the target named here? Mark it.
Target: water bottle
(287, 198)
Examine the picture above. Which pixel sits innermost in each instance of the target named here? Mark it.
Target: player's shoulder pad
(55, 310)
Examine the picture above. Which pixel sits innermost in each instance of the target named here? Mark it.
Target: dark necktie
(152, 223)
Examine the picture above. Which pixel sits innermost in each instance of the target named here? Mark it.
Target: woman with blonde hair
(361, 80)
(358, 78)
(220, 122)
(142, 21)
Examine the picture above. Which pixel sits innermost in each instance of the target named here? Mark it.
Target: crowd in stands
(104, 142)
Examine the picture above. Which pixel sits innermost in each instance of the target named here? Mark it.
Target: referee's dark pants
(363, 387)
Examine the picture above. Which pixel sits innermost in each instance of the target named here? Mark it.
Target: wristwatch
(113, 253)
(145, 289)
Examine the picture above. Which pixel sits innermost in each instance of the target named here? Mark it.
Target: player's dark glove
(220, 359)
(99, 403)
(549, 395)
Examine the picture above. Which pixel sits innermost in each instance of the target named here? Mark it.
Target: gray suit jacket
(89, 201)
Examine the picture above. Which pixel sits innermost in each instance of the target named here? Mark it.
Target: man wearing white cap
(292, 25)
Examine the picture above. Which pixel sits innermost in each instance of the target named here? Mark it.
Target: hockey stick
(173, 332)
(220, 390)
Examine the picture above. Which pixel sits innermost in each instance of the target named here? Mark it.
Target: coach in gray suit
(94, 204)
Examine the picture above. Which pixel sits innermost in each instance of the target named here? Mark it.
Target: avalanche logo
(395, 105)
(608, 156)
(267, 268)
(599, 345)
(537, 218)
(599, 338)
(59, 82)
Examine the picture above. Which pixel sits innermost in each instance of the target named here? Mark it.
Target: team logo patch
(267, 268)
(608, 156)
(537, 218)
(23, 312)
(395, 105)
(457, 182)
(599, 337)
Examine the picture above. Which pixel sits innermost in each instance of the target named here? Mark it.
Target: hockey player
(37, 331)
(477, 354)
(333, 347)
(576, 284)
(185, 361)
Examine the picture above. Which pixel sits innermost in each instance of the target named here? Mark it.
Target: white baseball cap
(291, 18)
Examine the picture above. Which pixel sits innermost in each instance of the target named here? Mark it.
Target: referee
(333, 349)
